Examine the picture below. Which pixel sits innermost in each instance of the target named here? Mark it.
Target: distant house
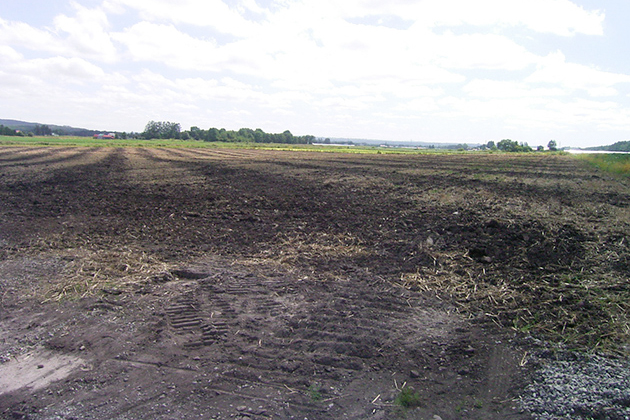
(105, 136)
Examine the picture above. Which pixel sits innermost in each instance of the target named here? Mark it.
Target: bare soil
(237, 284)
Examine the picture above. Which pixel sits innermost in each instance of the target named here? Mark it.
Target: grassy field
(172, 143)
(618, 164)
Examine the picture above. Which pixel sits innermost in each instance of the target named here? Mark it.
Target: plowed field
(141, 283)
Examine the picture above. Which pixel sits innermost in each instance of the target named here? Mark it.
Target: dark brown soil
(239, 284)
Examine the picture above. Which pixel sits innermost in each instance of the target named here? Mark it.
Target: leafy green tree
(6, 131)
(552, 145)
(42, 130)
(195, 133)
(152, 130)
(211, 134)
(161, 130)
(508, 145)
(246, 135)
(260, 136)
(157, 129)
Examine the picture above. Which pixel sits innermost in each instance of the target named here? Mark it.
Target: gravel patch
(573, 386)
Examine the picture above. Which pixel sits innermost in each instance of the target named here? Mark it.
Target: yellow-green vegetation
(408, 398)
(615, 163)
(175, 143)
(314, 392)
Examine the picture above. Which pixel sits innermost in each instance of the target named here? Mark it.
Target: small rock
(289, 366)
(469, 350)
(163, 277)
(40, 366)
(493, 224)
(414, 374)
(241, 408)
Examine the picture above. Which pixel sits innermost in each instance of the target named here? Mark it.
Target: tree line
(6, 131)
(38, 130)
(507, 145)
(170, 130)
(30, 130)
(620, 146)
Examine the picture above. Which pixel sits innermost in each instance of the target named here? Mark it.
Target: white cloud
(20, 34)
(485, 88)
(167, 45)
(560, 17)
(208, 13)
(58, 69)
(8, 55)
(87, 33)
(69, 69)
(481, 51)
(554, 70)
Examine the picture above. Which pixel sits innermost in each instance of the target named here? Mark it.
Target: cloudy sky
(423, 70)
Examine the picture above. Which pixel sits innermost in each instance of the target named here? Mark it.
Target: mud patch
(37, 369)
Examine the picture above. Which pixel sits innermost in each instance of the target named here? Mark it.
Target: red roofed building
(105, 136)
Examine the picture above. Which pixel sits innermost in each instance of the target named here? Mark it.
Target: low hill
(620, 146)
(57, 129)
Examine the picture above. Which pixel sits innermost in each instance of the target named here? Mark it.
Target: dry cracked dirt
(140, 283)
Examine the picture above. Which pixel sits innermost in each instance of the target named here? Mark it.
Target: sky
(457, 71)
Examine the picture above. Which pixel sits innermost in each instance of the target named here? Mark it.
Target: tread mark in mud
(185, 317)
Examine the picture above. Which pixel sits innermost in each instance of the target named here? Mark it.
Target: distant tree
(552, 145)
(287, 137)
(42, 130)
(524, 147)
(326, 140)
(171, 130)
(211, 134)
(491, 145)
(540, 148)
(151, 130)
(154, 129)
(195, 133)
(260, 136)
(246, 135)
(161, 130)
(6, 131)
(508, 145)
